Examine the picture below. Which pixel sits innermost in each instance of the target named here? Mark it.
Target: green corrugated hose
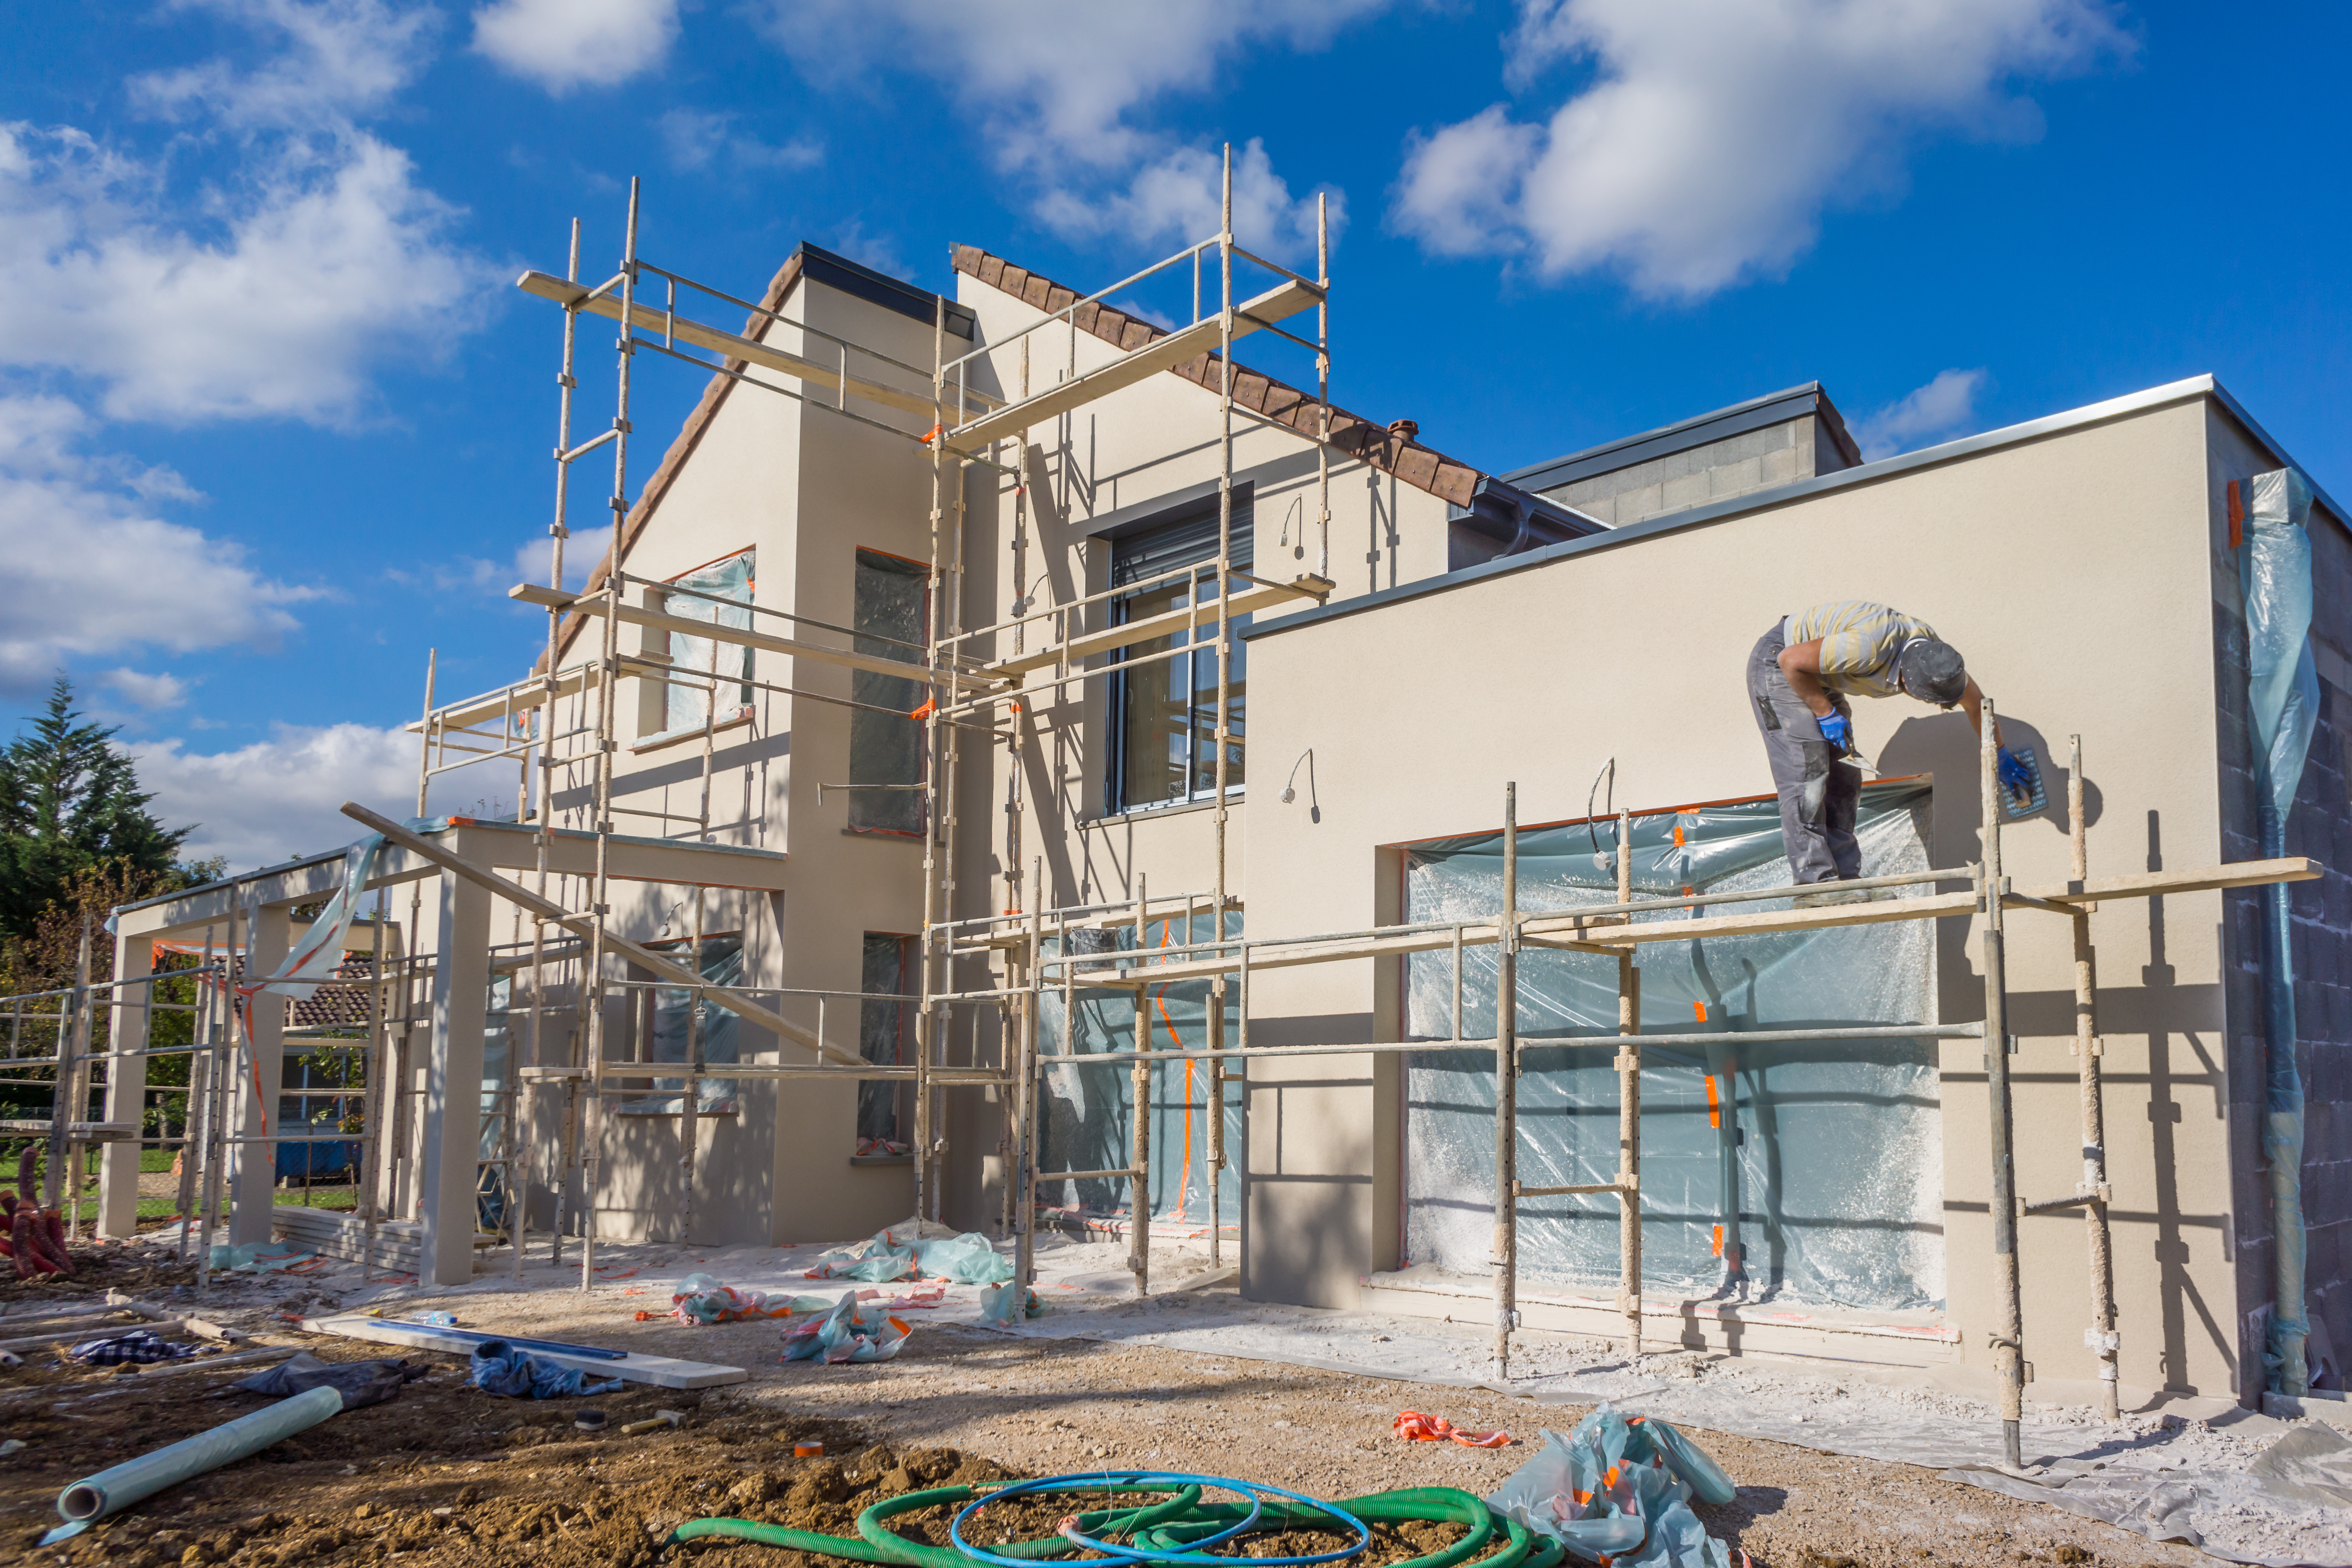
(1165, 1524)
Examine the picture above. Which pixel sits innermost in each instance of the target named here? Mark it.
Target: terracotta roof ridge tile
(1424, 468)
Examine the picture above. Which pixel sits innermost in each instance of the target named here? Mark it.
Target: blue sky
(273, 418)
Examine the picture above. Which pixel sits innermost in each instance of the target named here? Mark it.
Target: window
(685, 700)
(883, 1025)
(670, 1014)
(890, 614)
(1165, 711)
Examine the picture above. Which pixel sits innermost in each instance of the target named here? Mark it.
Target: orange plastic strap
(1415, 1427)
(930, 706)
(1713, 1107)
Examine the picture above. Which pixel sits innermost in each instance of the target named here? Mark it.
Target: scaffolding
(561, 722)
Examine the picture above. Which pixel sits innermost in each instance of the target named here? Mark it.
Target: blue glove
(1838, 731)
(2015, 776)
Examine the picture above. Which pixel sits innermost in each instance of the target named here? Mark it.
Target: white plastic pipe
(94, 1497)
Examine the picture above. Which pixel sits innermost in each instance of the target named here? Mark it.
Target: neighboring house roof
(1389, 450)
(1697, 431)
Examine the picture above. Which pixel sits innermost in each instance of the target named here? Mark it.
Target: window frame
(921, 574)
(1118, 691)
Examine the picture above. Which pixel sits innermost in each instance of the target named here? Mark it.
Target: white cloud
(278, 798)
(1059, 85)
(1057, 79)
(324, 266)
(150, 692)
(1179, 197)
(1711, 138)
(701, 139)
(336, 59)
(876, 250)
(94, 572)
(1946, 406)
(567, 44)
(582, 549)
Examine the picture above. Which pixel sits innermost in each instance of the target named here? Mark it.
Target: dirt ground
(445, 1477)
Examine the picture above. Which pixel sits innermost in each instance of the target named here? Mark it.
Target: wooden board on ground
(661, 1371)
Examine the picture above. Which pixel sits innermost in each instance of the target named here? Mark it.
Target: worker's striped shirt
(1860, 642)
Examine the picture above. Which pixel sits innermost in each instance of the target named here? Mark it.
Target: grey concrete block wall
(2320, 827)
(1717, 470)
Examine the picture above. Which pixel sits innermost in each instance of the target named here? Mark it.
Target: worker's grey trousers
(1818, 792)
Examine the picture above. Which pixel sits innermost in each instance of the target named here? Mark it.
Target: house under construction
(1019, 764)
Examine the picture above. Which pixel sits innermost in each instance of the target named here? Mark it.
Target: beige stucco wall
(2054, 564)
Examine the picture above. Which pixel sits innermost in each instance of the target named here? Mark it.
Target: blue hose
(1116, 1480)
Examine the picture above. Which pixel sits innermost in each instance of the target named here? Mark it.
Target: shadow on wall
(1315, 1229)
(1944, 745)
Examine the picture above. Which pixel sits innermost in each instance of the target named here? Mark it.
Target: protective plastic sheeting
(1811, 1171)
(1085, 1114)
(722, 965)
(2283, 693)
(686, 702)
(890, 605)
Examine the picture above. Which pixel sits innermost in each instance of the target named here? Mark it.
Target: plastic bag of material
(1620, 1491)
(1003, 1305)
(1687, 1459)
(873, 1261)
(852, 1331)
(700, 1299)
(968, 1259)
(361, 1383)
(500, 1368)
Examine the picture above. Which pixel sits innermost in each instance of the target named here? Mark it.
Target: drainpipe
(2275, 572)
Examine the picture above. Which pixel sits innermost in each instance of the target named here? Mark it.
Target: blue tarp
(318, 1159)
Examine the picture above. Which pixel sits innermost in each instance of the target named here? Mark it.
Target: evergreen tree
(69, 804)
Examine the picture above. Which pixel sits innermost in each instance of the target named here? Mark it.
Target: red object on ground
(1415, 1427)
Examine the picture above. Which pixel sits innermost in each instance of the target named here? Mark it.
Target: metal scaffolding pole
(1629, 1111)
(2009, 1332)
(2089, 1047)
(600, 906)
(1505, 1260)
(1139, 1184)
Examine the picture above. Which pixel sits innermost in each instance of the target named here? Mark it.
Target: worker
(1799, 678)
